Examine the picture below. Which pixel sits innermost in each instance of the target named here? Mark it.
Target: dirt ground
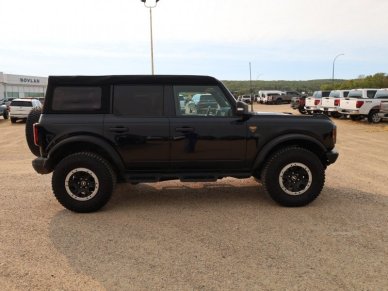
(200, 236)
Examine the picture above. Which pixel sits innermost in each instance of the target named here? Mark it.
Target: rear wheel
(293, 176)
(33, 117)
(374, 117)
(13, 120)
(83, 182)
(302, 110)
(5, 114)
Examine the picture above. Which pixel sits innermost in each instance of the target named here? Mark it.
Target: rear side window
(21, 103)
(371, 93)
(85, 99)
(383, 94)
(138, 100)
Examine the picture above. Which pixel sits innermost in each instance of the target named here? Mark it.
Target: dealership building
(21, 86)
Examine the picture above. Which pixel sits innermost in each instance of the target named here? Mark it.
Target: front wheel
(293, 176)
(83, 182)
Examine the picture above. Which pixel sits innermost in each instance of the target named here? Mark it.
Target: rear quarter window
(84, 99)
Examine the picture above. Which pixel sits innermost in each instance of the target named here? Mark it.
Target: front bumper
(331, 156)
(41, 166)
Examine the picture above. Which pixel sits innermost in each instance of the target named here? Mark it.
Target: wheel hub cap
(81, 184)
(295, 178)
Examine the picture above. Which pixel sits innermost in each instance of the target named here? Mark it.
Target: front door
(205, 133)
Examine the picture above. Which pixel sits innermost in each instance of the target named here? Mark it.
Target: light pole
(250, 85)
(152, 42)
(334, 65)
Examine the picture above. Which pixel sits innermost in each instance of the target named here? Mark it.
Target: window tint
(346, 93)
(371, 93)
(201, 101)
(138, 100)
(77, 99)
(21, 103)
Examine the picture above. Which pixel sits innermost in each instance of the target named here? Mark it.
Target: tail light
(337, 102)
(316, 102)
(359, 104)
(36, 134)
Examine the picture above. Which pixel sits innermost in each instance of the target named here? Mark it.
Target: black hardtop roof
(133, 79)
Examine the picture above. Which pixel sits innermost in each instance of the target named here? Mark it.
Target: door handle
(119, 129)
(184, 129)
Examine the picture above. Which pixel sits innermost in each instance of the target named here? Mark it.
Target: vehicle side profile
(95, 131)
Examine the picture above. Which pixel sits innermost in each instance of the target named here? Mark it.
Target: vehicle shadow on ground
(223, 236)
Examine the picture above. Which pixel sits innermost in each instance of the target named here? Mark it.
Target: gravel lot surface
(201, 236)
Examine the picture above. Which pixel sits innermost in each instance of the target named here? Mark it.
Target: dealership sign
(29, 80)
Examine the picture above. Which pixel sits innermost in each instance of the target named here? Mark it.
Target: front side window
(201, 101)
(77, 98)
(138, 100)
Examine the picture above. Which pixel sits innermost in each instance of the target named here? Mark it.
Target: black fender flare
(287, 138)
(89, 139)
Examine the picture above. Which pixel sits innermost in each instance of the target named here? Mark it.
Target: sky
(282, 39)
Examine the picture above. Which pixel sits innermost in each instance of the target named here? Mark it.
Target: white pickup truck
(314, 101)
(329, 105)
(363, 103)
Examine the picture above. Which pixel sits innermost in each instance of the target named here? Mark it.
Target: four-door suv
(94, 131)
(20, 108)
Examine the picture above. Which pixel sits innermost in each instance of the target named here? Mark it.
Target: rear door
(138, 127)
(206, 140)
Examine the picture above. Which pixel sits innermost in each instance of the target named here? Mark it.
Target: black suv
(96, 130)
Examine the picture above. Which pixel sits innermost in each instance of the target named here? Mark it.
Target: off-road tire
(87, 164)
(281, 165)
(33, 117)
(373, 116)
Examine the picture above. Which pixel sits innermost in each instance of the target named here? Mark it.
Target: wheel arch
(298, 140)
(85, 143)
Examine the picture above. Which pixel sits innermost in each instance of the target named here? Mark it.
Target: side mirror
(241, 108)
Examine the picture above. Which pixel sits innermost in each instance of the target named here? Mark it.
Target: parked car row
(357, 103)
(19, 108)
(270, 97)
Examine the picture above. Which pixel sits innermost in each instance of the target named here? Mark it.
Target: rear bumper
(332, 156)
(41, 166)
(328, 109)
(350, 112)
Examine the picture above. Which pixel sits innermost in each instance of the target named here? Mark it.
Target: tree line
(378, 80)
